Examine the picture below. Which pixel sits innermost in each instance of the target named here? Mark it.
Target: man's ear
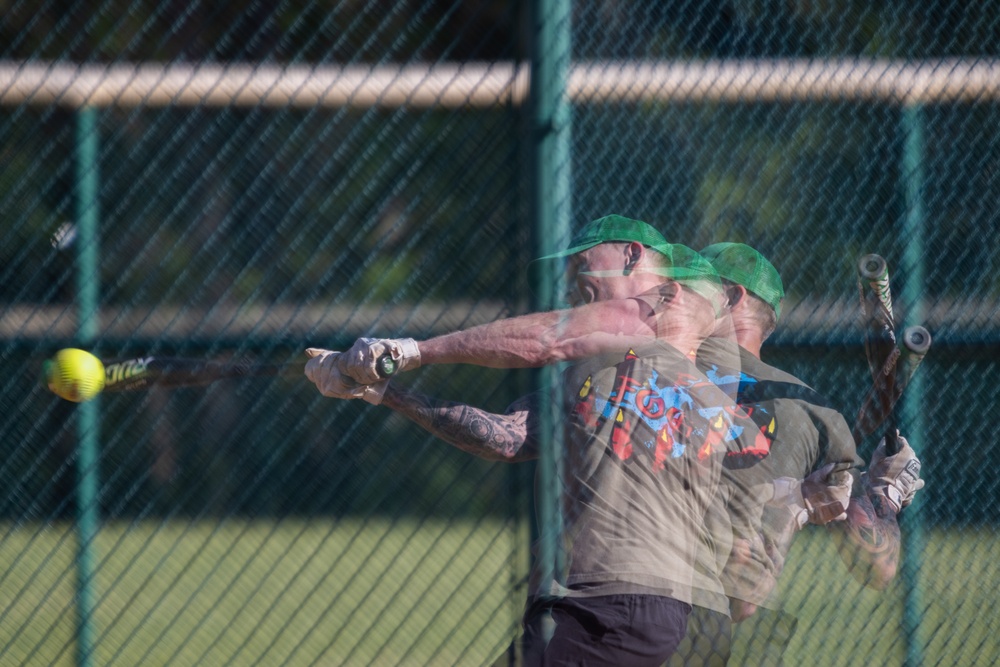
(734, 293)
(633, 255)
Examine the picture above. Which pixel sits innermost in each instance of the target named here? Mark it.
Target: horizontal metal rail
(483, 85)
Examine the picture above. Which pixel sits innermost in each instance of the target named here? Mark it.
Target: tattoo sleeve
(868, 541)
(507, 437)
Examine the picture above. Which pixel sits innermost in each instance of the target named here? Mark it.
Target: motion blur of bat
(144, 372)
(891, 365)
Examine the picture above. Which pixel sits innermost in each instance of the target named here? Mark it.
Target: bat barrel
(167, 372)
(916, 342)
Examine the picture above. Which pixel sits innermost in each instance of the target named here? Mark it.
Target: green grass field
(410, 593)
(842, 623)
(242, 593)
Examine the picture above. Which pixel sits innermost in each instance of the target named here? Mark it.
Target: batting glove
(822, 497)
(361, 362)
(895, 478)
(827, 493)
(322, 370)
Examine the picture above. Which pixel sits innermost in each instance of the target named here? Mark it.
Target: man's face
(597, 274)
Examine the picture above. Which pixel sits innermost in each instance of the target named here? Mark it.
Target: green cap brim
(612, 228)
(571, 251)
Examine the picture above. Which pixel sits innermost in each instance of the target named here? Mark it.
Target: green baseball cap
(686, 264)
(689, 268)
(741, 264)
(612, 229)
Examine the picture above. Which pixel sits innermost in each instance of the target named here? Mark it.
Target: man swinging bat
(645, 434)
(502, 339)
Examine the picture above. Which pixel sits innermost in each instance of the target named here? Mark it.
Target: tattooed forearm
(505, 437)
(869, 540)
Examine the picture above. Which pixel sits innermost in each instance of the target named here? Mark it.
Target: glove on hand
(360, 363)
(322, 370)
(895, 478)
(821, 497)
(827, 493)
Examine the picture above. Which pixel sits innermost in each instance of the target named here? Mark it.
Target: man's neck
(743, 332)
(749, 338)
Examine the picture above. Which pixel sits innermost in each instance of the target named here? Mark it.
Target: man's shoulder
(762, 370)
(761, 383)
(756, 381)
(726, 357)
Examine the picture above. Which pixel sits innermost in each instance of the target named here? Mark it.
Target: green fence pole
(88, 418)
(551, 204)
(912, 401)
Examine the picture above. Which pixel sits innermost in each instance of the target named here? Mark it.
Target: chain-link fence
(243, 182)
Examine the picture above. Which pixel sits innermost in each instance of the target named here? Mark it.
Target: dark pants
(618, 630)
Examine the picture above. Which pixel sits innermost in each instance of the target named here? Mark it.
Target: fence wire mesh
(274, 176)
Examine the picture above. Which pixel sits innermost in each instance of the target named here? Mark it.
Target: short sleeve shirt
(645, 436)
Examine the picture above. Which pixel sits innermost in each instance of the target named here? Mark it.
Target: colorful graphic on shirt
(759, 414)
(584, 408)
(668, 441)
(621, 437)
(666, 407)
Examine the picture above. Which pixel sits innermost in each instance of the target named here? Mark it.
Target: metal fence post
(88, 418)
(550, 193)
(913, 400)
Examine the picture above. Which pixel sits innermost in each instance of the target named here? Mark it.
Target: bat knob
(386, 365)
(917, 339)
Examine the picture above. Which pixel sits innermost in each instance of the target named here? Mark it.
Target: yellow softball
(75, 375)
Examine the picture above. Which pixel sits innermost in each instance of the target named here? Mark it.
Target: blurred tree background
(209, 213)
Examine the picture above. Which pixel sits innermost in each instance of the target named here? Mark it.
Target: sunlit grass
(412, 592)
(262, 592)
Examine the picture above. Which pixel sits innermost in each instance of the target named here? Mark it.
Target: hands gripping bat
(890, 367)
